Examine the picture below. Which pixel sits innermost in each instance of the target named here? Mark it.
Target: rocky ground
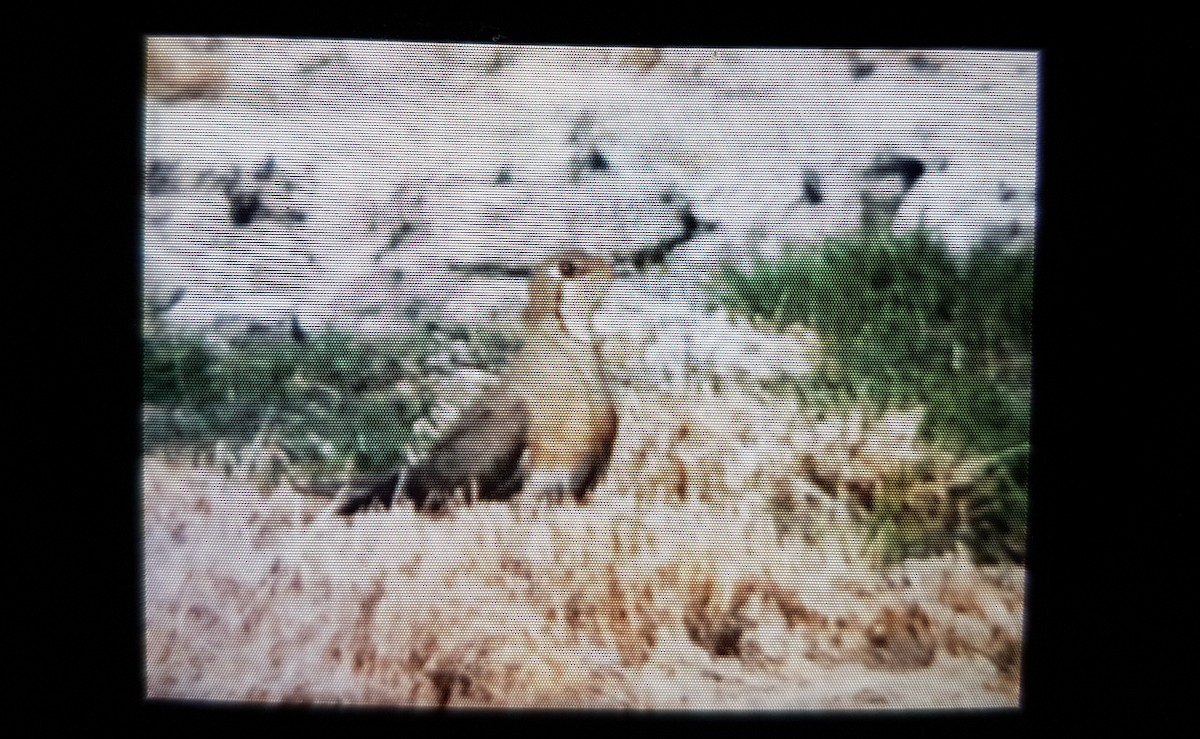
(342, 182)
(338, 179)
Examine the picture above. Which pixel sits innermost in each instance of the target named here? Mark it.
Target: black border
(1063, 675)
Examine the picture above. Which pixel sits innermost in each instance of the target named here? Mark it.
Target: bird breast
(571, 410)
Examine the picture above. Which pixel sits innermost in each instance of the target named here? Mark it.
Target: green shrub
(333, 404)
(911, 515)
(993, 507)
(984, 506)
(907, 324)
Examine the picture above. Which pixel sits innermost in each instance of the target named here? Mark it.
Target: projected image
(629, 379)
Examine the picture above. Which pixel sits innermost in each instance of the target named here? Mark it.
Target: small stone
(597, 162)
(812, 188)
(266, 170)
(888, 165)
(860, 67)
(923, 63)
(161, 177)
(642, 59)
(245, 206)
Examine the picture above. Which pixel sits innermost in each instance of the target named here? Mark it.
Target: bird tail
(426, 491)
(365, 494)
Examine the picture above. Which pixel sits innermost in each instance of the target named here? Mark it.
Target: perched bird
(547, 429)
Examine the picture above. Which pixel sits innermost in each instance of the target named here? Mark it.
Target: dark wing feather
(485, 445)
(364, 495)
(596, 464)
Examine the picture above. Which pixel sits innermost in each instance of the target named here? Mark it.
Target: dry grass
(690, 579)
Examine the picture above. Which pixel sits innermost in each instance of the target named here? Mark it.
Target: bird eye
(566, 268)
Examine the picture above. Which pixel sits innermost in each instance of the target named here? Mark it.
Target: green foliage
(993, 507)
(911, 515)
(332, 404)
(916, 513)
(906, 324)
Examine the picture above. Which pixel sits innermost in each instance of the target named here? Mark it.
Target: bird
(547, 429)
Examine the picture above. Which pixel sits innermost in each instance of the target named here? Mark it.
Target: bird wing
(363, 494)
(484, 447)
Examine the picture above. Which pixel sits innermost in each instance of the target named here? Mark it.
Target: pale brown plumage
(547, 429)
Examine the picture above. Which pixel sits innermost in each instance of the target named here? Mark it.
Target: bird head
(567, 289)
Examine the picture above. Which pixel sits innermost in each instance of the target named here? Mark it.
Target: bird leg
(549, 487)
